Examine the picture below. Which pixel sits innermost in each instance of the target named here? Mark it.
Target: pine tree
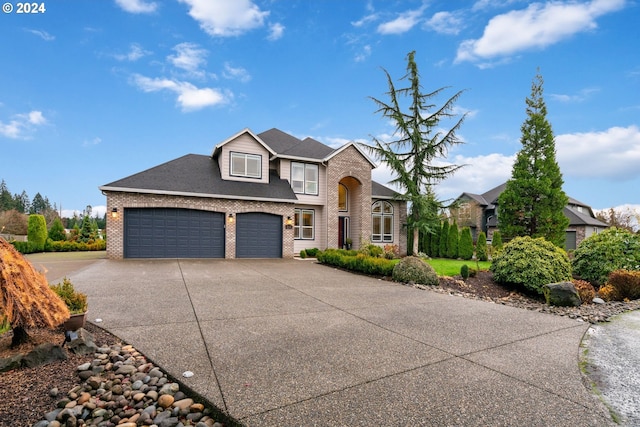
(465, 248)
(444, 239)
(481, 247)
(533, 201)
(56, 231)
(454, 240)
(496, 241)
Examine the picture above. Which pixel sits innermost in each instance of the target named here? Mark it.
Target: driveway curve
(292, 342)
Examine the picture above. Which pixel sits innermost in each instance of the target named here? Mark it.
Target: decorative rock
(53, 392)
(563, 294)
(126, 370)
(84, 398)
(43, 354)
(183, 404)
(84, 366)
(83, 343)
(197, 407)
(165, 400)
(598, 301)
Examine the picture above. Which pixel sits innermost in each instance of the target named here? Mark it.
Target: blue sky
(93, 91)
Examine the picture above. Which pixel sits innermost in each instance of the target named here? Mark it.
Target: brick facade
(123, 200)
(349, 163)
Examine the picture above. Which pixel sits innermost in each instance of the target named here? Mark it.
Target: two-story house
(266, 195)
(480, 212)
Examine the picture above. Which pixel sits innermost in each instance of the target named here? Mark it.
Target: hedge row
(62, 246)
(352, 260)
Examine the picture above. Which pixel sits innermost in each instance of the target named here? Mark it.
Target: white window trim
(385, 236)
(297, 227)
(304, 181)
(246, 157)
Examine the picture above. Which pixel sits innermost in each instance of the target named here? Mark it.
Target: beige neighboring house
(266, 195)
(480, 213)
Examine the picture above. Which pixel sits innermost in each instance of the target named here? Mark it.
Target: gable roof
(380, 191)
(346, 146)
(198, 175)
(248, 131)
(288, 146)
(579, 218)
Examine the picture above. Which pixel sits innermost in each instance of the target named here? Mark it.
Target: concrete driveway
(294, 343)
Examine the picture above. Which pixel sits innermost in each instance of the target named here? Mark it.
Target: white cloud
(224, 18)
(403, 23)
(612, 154)
(42, 34)
(579, 97)
(90, 142)
(235, 73)
(276, 31)
(135, 52)
(537, 26)
(21, 125)
(190, 97)
(445, 23)
(137, 6)
(189, 57)
(364, 54)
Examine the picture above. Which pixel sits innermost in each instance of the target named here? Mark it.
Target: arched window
(343, 194)
(382, 222)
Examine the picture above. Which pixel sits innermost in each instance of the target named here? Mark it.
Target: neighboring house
(266, 195)
(480, 213)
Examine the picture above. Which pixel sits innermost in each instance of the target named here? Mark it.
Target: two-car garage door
(190, 233)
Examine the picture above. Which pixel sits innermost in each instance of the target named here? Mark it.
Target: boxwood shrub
(352, 260)
(530, 263)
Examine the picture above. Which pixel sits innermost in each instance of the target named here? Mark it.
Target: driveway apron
(295, 343)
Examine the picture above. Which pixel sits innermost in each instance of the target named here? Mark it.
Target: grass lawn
(451, 267)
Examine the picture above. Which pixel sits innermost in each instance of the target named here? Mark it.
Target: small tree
(452, 244)
(444, 239)
(496, 241)
(25, 297)
(465, 248)
(435, 242)
(89, 230)
(481, 247)
(37, 231)
(56, 232)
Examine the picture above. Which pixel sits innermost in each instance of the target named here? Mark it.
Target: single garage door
(258, 235)
(173, 233)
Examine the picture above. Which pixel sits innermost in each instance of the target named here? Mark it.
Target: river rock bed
(119, 387)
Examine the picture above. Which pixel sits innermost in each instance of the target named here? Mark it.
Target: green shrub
(464, 271)
(303, 254)
(56, 231)
(360, 262)
(530, 264)
(412, 269)
(25, 247)
(465, 247)
(37, 231)
(76, 301)
(454, 241)
(372, 250)
(312, 252)
(70, 246)
(600, 254)
(435, 243)
(482, 254)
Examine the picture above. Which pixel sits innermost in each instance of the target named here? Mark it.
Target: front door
(343, 231)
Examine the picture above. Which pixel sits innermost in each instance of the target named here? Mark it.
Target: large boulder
(562, 294)
(81, 342)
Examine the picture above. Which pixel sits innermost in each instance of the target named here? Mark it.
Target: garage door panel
(173, 233)
(258, 235)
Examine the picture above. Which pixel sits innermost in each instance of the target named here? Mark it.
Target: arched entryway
(349, 212)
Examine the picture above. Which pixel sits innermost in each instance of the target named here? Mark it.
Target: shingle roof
(382, 192)
(199, 175)
(289, 146)
(578, 218)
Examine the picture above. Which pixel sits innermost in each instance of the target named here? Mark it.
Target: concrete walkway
(294, 343)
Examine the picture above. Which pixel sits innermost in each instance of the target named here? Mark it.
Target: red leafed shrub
(585, 290)
(626, 284)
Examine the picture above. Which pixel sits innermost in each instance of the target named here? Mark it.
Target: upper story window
(246, 165)
(342, 198)
(304, 178)
(382, 222)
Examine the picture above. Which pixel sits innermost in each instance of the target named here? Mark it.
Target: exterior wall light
(288, 223)
(114, 213)
(230, 218)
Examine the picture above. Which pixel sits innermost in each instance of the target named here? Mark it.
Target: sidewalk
(291, 343)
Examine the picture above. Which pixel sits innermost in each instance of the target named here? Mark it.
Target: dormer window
(246, 165)
(304, 178)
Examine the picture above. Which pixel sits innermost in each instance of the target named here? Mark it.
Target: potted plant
(75, 301)
(348, 242)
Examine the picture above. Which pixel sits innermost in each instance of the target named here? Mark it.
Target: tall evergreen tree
(444, 239)
(465, 247)
(482, 254)
(420, 141)
(496, 241)
(6, 200)
(435, 242)
(454, 240)
(533, 201)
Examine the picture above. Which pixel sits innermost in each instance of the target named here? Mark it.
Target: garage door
(173, 233)
(258, 235)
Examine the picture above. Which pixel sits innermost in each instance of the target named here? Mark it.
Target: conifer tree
(465, 247)
(533, 201)
(481, 247)
(496, 241)
(452, 244)
(444, 239)
(435, 242)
